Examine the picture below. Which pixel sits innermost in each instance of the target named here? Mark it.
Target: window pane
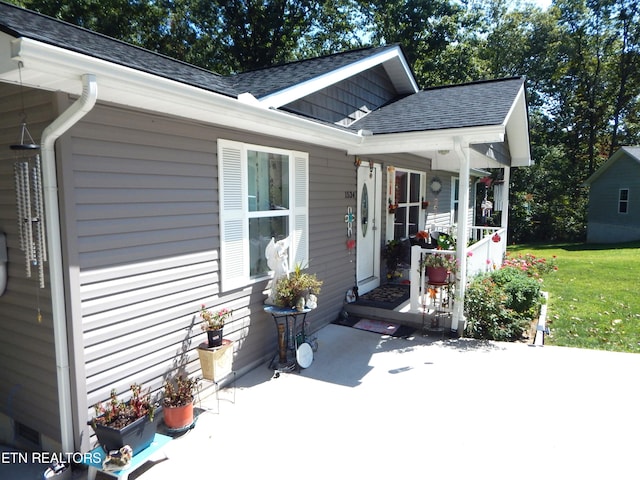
(414, 194)
(624, 194)
(414, 213)
(401, 187)
(260, 232)
(623, 207)
(268, 181)
(400, 224)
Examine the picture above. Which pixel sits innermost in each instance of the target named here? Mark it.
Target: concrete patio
(372, 406)
(378, 407)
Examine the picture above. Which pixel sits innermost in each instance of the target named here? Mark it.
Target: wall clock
(436, 185)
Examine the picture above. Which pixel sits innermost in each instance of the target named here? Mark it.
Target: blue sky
(544, 4)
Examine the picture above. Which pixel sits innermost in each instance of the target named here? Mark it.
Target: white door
(368, 227)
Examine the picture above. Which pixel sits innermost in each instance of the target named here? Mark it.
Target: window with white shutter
(263, 194)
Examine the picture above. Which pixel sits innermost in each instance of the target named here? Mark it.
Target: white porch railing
(483, 256)
(487, 253)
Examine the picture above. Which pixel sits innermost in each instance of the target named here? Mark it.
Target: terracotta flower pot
(437, 274)
(176, 418)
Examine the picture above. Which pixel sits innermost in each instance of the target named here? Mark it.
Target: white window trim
(391, 188)
(621, 201)
(234, 211)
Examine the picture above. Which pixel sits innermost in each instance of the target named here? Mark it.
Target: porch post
(457, 320)
(504, 218)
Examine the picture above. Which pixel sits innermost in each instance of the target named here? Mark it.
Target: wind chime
(29, 200)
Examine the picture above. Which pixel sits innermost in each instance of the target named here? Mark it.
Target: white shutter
(300, 213)
(234, 235)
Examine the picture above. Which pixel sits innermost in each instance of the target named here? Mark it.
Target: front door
(369, 222)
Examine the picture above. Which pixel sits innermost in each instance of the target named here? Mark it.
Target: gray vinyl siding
(348, 100)
(605, 224)
(141, 217)
(28, 382)
(139, 223)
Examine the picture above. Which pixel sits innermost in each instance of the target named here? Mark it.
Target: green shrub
(487, 314)
(501, 305)
(523, 291)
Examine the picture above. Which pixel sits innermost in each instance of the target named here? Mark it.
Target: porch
(435, 307)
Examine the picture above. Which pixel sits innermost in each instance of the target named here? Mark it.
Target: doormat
(377, 326)
(346, 320)
(388, 296)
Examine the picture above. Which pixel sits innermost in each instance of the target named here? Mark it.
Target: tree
(424, 28)
(581, 59)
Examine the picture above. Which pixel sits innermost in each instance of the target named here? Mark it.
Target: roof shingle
(456, 106)
(268, 80)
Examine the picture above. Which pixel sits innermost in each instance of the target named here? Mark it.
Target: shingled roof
(457, 106)
(485, 103)
(267, 80)
(19, 22)
(632, 151)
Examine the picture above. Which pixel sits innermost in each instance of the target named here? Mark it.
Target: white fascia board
(427, 140)
(288, 95)
(54, 68)
(517, 127)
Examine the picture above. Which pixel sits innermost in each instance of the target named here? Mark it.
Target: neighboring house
(163, 182)
(613, 213)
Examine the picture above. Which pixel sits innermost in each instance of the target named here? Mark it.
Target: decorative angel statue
(277, 260)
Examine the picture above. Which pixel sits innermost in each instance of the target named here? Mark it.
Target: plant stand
(439, 296)
(95, 458)
(290, 334)
(217, 367)
(216, 362)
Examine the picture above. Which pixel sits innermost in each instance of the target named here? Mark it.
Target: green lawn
(594, 295)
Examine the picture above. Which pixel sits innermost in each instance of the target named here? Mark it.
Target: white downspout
(457, 320)
(59, 126)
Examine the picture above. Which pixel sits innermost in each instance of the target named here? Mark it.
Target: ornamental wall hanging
(29, 198)
(30, 211)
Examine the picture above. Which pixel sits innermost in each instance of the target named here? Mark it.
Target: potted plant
(446, 242)
(213, 323)
(118, 423)
(178, 396)
(439, 266)
(392, 254)
(298, 290)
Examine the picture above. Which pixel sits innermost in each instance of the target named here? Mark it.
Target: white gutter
(56, 69)
(59, 126)
(421, 141)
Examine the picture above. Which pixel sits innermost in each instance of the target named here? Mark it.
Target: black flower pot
(138, 435)
(214, 337)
